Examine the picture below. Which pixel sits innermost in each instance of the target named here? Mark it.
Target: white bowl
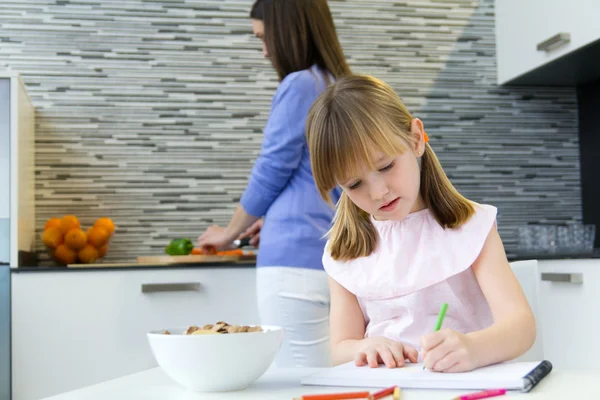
(215, 363)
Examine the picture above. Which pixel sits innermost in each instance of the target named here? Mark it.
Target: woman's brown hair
(299, 34)
(349, 122)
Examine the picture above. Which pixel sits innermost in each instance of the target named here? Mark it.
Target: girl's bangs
(359, 143)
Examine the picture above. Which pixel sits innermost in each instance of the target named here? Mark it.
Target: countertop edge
(128, 267)
(133, 268)
(542, 257)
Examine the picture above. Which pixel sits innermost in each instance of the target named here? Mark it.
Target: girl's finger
(398, 353)
(360, 359)
(372, 358)
(448, 361)
(387, 357)
(453, 362)
(411, 353)
(437, 353)
(458, 367)
(430, 340)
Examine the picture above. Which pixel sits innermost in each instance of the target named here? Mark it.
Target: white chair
(528, 276)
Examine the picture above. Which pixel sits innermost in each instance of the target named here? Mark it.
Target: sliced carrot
(200, 251)
(236, 252)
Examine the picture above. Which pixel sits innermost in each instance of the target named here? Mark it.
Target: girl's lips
(390, 206)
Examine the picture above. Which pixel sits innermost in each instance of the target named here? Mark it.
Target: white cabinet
(17, 165)
(76, 328)
(568, 310)
(523, 26)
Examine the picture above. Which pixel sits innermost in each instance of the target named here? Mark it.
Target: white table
(284, 384)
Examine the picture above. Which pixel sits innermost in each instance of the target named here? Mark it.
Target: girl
(300, 40)
(404, 241)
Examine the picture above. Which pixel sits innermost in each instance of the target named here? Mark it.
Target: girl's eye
(387, 167)
(354, 185)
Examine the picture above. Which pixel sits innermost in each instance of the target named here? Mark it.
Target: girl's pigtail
(352, 234)
(449, 207)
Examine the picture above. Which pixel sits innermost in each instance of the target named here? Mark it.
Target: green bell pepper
(179, 247)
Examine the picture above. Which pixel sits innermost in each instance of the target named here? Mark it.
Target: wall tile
(151, 112)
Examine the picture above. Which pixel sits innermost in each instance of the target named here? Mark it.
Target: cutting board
(195, 259)
(159, 261)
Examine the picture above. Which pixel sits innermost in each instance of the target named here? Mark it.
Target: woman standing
(299, 38)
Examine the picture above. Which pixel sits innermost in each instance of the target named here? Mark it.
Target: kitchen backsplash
(588, 98)
(151, 112)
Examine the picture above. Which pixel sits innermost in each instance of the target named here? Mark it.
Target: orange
(98, 236)
(52, 223)
(65, 255)
(52, 237)
(102, 251)
(88, 254)
(76, 239)
(69, 222)
(107, 224)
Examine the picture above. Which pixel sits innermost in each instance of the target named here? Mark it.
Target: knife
(239, 243)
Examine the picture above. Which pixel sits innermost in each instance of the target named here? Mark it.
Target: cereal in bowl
(219, 328)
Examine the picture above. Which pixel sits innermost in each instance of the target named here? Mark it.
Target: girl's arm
(513, 331)
(347, 335)
(346, 324)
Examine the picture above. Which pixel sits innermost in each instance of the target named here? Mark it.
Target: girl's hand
(381, 350)
(253, 232)
(448, 351)
(214, 238)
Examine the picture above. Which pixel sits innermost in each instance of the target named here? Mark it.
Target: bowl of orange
(68, 242)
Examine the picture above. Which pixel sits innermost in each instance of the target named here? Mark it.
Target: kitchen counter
(125, 305)
(134, 267)
(284, 383)
(549, 256)
(247, 264)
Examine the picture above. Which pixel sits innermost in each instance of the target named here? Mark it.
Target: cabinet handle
(555, 41)
(562, 277)
(170, 287)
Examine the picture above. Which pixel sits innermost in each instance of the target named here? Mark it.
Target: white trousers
(296, 299)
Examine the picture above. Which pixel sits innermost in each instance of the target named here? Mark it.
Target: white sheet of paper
(507, 376)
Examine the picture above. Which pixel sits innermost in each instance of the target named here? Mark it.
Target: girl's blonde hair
(349, 122)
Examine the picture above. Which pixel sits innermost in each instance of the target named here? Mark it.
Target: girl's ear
(418, 134)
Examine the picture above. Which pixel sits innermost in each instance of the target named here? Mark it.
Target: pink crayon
(482, 395)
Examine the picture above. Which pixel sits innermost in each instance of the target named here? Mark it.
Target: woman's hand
(448, 351)
(253, 232)
(381, 350)
(214, 238)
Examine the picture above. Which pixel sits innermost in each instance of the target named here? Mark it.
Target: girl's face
(391, 191)
(258, 27)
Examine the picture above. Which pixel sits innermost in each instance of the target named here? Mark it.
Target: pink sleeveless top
(416, 267)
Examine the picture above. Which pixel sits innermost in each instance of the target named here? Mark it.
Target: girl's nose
(378, 190)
